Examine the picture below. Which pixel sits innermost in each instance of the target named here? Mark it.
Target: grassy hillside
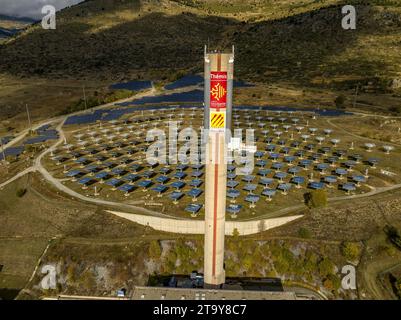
(282, 44)
(297, 41)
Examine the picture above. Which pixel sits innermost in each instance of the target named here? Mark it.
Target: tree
(154, 250)
(235, 233)
(326, 267)
(350, 251)
(340, 102)
(304, 233)
(21, 192)
(316, 198)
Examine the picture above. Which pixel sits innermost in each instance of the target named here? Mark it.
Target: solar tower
(219, 68)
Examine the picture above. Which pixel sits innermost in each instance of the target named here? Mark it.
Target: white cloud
(31, 8)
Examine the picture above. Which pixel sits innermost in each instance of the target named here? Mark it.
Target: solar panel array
(290, 155)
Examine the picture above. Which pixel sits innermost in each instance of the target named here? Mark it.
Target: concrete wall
(198, 226)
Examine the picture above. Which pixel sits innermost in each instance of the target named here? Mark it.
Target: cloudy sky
(31, 8)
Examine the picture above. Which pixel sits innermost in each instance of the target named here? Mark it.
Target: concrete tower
(219, 68)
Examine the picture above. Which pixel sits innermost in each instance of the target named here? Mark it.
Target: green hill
(296, 50)
(297, 41)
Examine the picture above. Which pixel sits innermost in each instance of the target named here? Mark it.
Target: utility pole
(2, 150)
(29, 117)
(83, 89)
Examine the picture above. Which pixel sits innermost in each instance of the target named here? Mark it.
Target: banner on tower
(217, 120)
(218, 90)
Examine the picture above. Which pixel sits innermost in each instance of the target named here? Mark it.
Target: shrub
(154, 250)
(304, 233)
(340, 102)
(21, 192)
(316, 198)
(326, 267)
(393, 235)
(350, 251)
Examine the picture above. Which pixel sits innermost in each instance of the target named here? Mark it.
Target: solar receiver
(330, 180)
(341, 172)
(114, 182)
(74, 173)
(180, 175)
(271, 147)
(162, 179)
(372, 162)
(233, 194)
(147, 174)
(332, 161)
(298, 181)
(176, 196)
(350, 164)
(231, 176)
(193, 209)
(92, 169)
(300, 154)
(356, 157)
(197, 166)
(232, 184)
(126, 188)
(261, 163)
(165, 170)
(349, 187)
(294, 170)
(359, 179)
(310, 147)
(264, 172)
(248, 178)
(282, 143)
(160, 189)
(322, 167)
(86, 182)
(252, 198)
(388, 149)
(234, 209)
(182, 167)
(259, 154)
(266, 181)
(118, 171)
(195, 183)
(250, 187)
(108, 165)
(269, 193)
(284, 187)
(196, 174)
(277, 166)
(289, 159)
(325, 150)
(280, 176)
(194, 193)
(316, 185)
(145, 184)
(131, 177)
(316, 157)
(369, 146)
(178, 185)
